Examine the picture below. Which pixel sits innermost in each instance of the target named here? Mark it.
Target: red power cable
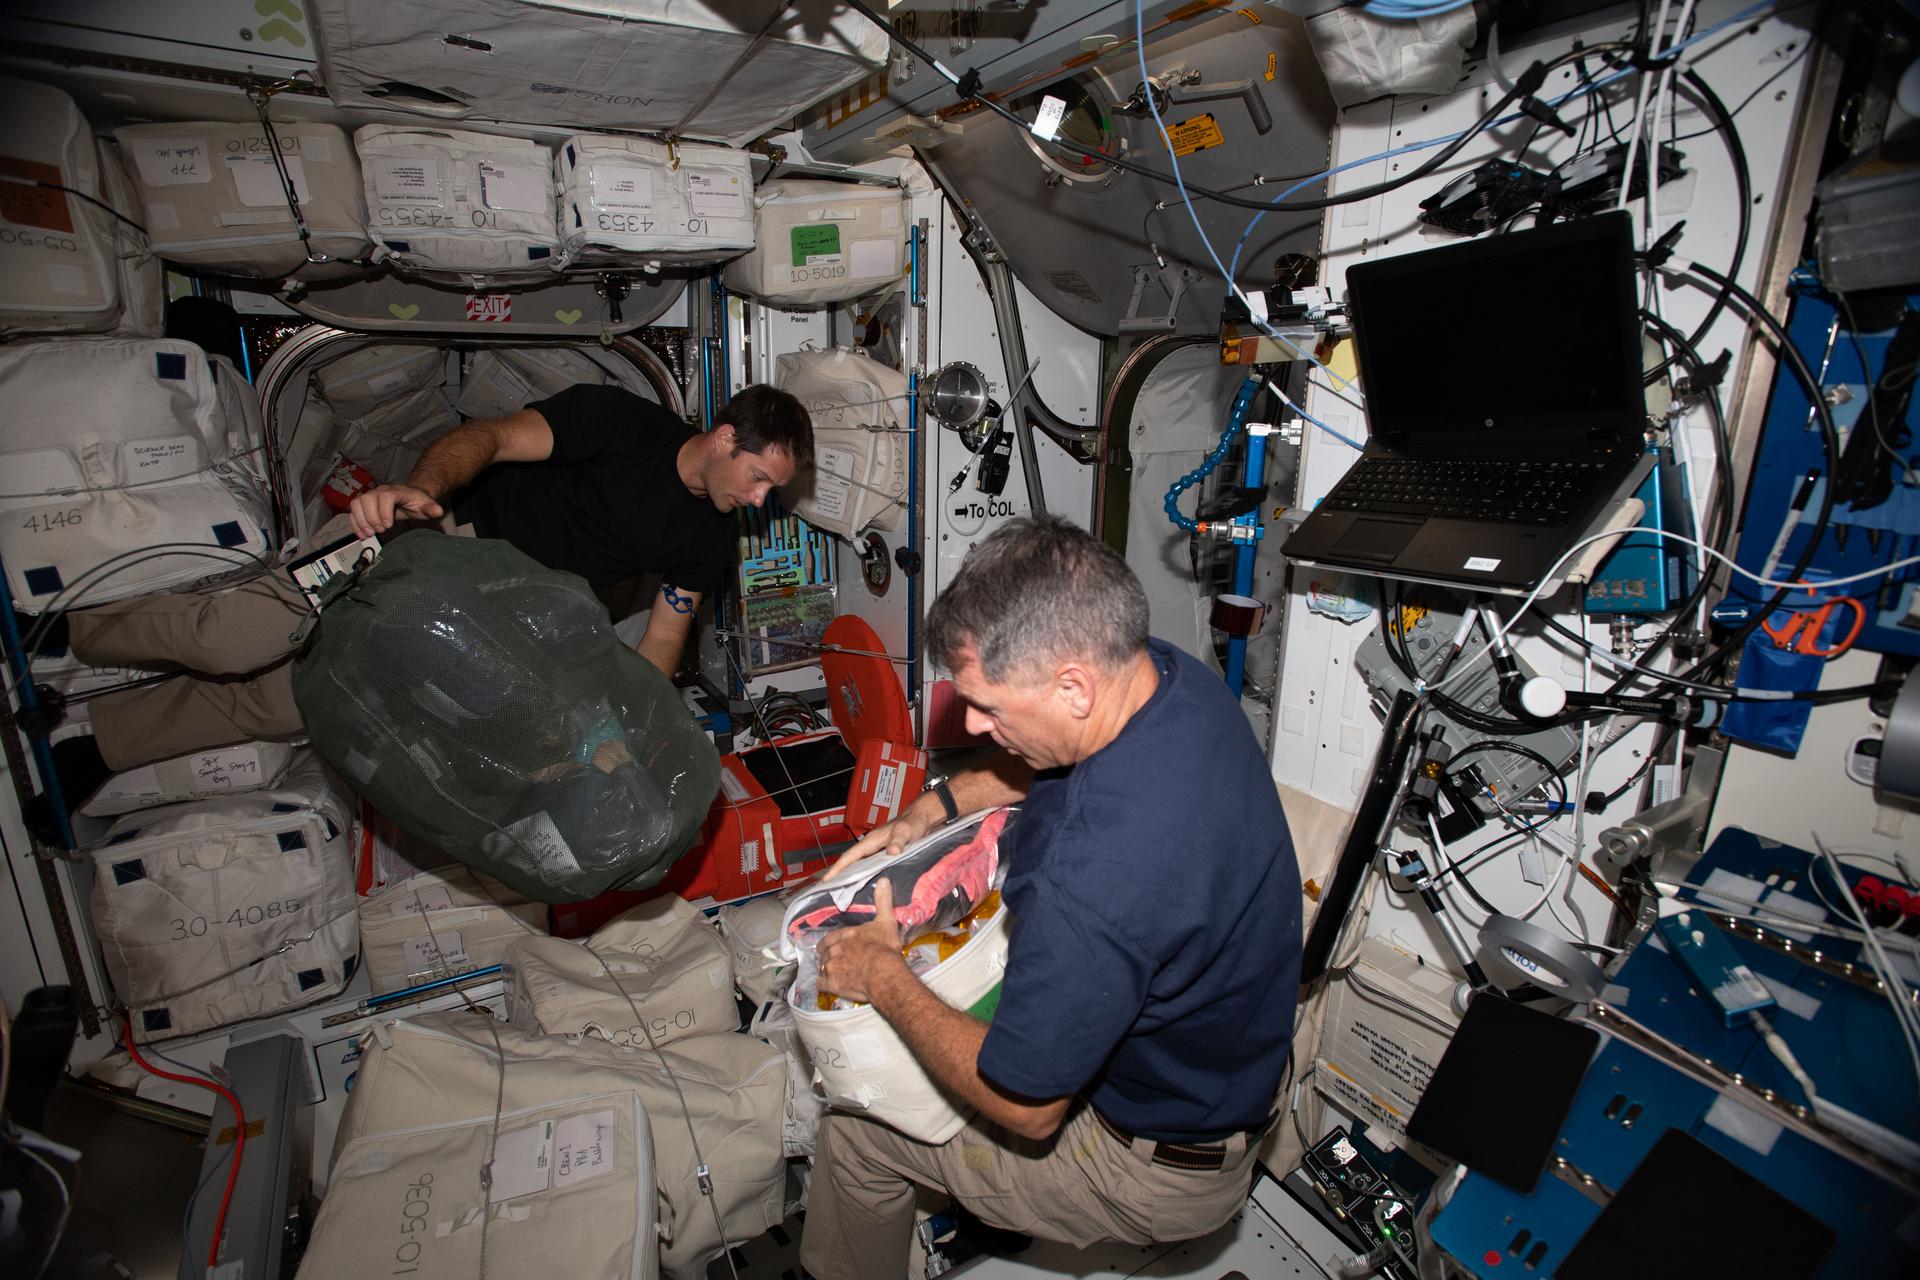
(239, 1136)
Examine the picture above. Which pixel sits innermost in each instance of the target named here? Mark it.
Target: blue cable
(1412, 9)
(1236, 422)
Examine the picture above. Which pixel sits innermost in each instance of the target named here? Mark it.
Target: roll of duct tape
(1900, 751)
(1515, 951)
(1237, 615)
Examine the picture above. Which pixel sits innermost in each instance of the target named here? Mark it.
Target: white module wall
(1325, 732)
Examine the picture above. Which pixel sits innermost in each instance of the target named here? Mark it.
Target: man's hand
(913, 823)
(376, 509)
(853, 960)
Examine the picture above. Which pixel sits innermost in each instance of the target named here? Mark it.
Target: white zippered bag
(197, 775)
(451, 204)
(57, 267)
(817, 242)
(624, 197)
(442, 922)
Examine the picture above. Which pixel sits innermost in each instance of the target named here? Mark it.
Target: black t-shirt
(609, 503)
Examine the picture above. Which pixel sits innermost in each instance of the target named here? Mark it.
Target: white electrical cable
(1897, 993)
(1639, 119)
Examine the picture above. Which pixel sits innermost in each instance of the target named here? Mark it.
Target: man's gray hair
(1037, 593)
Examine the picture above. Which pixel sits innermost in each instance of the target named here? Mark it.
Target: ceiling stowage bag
(505, 380)
(659, 970)
(448, 204)
(196, 776)
(359, 383)
(629, 197)
(228, 908)
(860, 442)
(129, 469)
(390, 439)
(819, 242)
(440, 1069)
(57, 268)
(441, 923)
(483, 704)
(216, 201)
(697, 70)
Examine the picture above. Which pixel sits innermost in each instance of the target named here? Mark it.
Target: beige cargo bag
(439, 923)
(439, 1068)
(195, 776)
(219, 910)
(752, 931)
(662, 956)
(127, 446)
(860, 439)
(561, 1188)
(389, 440)
(215, 200)
(624, 197)
(817, 242)
(359, 383)
(447, 203)
(57, 251)
(505, 380)
(141, 275)
(800, 1122)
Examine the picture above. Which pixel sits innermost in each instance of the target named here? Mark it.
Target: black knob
(907, 558)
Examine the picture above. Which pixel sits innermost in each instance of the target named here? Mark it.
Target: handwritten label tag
(173, 162)
(438, 953)
(583, 1148)
(539, 837)
(234, 769)
(160, 459)
(421, 901)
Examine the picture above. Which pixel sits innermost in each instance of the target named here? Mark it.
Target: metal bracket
(1669, 832)
(1174, 281)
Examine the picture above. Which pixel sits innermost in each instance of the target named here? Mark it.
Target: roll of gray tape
(1900, 752)
(1515, 952)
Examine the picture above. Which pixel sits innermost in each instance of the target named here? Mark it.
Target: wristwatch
(938, 787)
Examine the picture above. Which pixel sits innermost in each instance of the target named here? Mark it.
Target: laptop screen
(1536, 331)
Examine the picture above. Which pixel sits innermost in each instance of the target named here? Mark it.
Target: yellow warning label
(1273, 65)
(1196, 134)
(1249, 15)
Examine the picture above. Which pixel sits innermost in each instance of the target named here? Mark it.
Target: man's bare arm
(449, 465)
(669, 623)
(1002, 779)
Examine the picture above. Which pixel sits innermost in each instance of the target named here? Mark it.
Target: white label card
(874, 257)
(440, 953)
(622, 186)
(163, 459)
(583, 1148)
(406, 180)
(235, 769)
(258, 184)
(420, 901)
(886, 788)
(543, 840)
(173, 162)
(832, 482)
(522, 188)
(1046, 124)
(522, 1163)
(1482, 564)
(715, 193)
(735, 790)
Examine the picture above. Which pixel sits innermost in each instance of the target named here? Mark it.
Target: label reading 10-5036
(413, 1221)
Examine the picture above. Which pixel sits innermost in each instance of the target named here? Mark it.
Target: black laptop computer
(1504, 404)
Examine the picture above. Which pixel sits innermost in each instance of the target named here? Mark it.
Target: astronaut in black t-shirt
(599, 482)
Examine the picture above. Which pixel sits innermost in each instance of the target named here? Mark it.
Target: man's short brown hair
(763, 416)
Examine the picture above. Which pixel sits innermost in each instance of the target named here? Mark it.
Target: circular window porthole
(1087, 122)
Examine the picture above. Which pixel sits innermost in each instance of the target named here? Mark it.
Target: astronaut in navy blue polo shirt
(1154, 906)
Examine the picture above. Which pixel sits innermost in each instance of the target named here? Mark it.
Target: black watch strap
(945, 796)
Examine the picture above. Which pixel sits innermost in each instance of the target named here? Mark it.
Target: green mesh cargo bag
(483, 703)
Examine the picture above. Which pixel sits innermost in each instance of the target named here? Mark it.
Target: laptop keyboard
(1542, 493)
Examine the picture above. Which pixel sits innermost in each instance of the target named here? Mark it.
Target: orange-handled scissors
(1803, 628)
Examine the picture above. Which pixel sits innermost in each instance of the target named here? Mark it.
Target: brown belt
(1201, 1157)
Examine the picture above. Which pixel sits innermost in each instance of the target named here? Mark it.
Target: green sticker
(820, 240)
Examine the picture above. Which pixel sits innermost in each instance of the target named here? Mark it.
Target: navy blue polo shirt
(1154, 902)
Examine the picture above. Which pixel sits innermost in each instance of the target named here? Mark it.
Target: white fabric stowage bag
(800, 1124)
(622, 196)
(860, 440)
(219, 910)
(660, 961)
(358, 383)
(215, 199)
(442, 1067)
(125, 446)
(439, 923)
(505, 380)
(752, 931)
(57, 268)
(195, 776)
(450, 203)
(387, 441)
(695, 68)
(817, 241)
(142, 276)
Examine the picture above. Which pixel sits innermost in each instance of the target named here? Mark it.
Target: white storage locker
(355, 385)
(230, 908)
(860, 443)
(121, 471)
(643, 65)
(450, 203)
(817, 241)
(391, 438)
(215, 200)
(57, 266)
(196, 776)
(504, 381)
(631, 197)
(442, 922)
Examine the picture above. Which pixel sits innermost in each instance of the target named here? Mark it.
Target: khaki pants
(1080, 1187)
